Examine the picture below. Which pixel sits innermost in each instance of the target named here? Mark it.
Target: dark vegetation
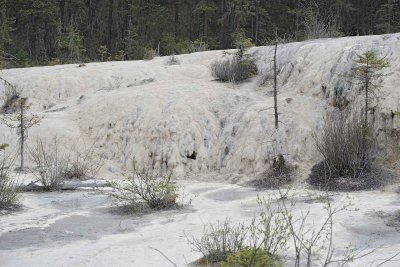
(36, 32)
(234, 68)
(347, 139)
(10, 98)
(349, 151)
(279, 173)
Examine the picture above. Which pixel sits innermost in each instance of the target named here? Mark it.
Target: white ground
(161, 113)
(80, 228)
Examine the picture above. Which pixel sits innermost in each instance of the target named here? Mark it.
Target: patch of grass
(250, 258)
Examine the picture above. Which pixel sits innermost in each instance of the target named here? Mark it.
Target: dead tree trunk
(276, 90)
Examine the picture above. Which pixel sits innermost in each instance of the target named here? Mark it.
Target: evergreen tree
(6, 28)
(21, 122)
(389, 17)
(36, 31)
(368, 70)
(71, 45)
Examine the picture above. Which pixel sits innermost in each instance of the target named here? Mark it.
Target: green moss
(250, 258)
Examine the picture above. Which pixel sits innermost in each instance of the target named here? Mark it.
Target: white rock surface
(80, 229)
(163, 114)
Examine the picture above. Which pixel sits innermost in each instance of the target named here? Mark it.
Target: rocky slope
(178, 116)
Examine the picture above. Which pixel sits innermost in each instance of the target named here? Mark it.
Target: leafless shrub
(146, 189)
(83, 164)
(346, 145)
(51, 164)
(316, 25)
(313, 245)
(173, 61)
(234, 69)
(9, 193)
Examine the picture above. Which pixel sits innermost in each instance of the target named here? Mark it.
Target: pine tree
(21, 122)
(206, 8)
(71, 45)
(38, 20)
(389, 17)
(368, 69)
(6, 28)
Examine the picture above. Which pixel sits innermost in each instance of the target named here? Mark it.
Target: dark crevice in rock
(193, 156)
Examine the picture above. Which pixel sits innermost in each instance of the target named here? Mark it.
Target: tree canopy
(36, 32)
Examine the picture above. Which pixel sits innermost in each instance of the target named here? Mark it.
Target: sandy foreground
(81, 228)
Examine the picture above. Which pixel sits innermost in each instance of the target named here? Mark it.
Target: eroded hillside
(178, 116)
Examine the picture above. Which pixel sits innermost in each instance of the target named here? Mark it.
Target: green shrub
(183, 46)
(240, 41)
(250, 258)
(199, 46)
(149, 54)
(239, 67)
(120, 56)
(220, 240)
(103, 53)
(268, 233)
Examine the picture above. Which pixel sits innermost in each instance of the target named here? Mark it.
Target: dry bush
(9, 193)
(51, 164)
(146, 189)
(173, 61)
(234, 69)
(346, 145)
(84, 164)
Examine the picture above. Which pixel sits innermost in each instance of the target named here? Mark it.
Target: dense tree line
(43, 31)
